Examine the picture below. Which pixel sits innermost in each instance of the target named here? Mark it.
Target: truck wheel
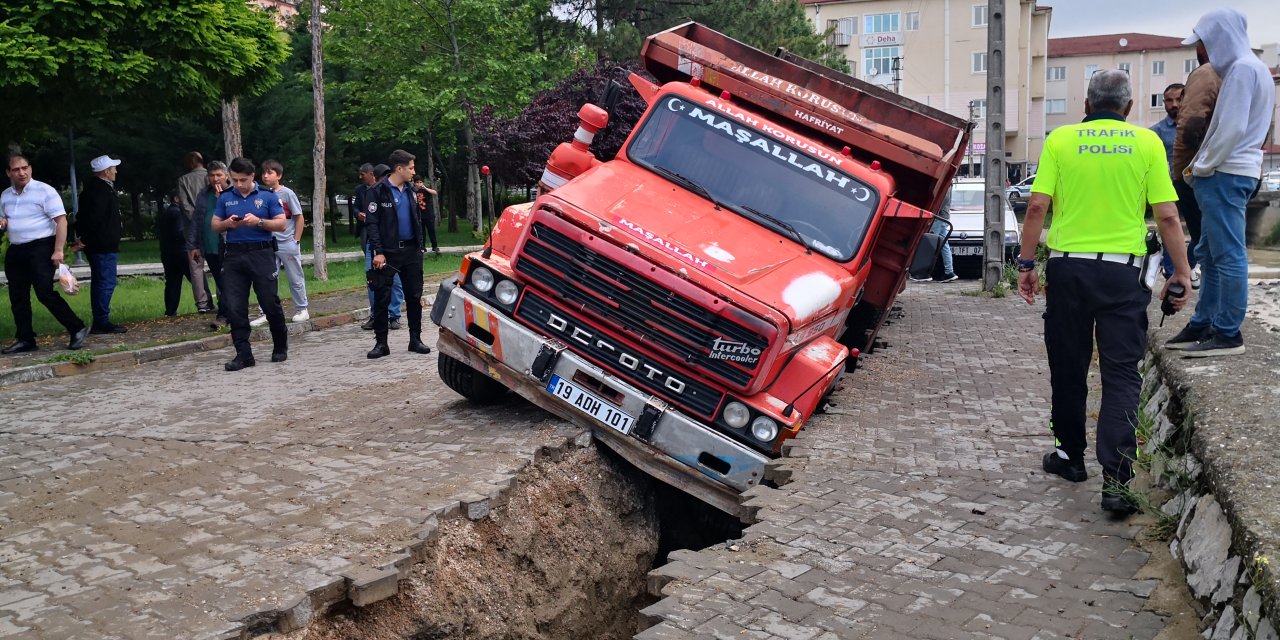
(468, 382)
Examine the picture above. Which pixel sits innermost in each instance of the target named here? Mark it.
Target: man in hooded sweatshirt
(1224, 174)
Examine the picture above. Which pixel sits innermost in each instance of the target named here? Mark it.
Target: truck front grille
(619, 358)
(635, 307)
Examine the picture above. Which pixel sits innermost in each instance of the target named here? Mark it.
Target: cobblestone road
(173, 499)
(917, 508)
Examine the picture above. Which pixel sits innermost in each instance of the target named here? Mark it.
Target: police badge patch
(258, 203)
(373, 207)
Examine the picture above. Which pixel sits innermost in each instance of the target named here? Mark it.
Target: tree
(62, 61)
(427, 65)
(317, 154)
(517, 148)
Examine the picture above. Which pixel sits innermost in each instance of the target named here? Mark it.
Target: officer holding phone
(249, 215)
(1100, 175)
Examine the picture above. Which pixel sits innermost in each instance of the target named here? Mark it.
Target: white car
(968, 221)
(1271, 180)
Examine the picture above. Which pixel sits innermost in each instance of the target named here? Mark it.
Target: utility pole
(897, 74)
(968, 152)
(993, 235)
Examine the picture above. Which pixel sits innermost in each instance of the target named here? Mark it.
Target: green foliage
(65, 60)
(75, 357)
(417, 65)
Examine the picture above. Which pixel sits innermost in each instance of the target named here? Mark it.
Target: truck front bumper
(663, 442)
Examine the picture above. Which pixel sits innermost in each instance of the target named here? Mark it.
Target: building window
(1157, 101)
(1157, 68)
(1126, 68)
(1057, 74)
(881, 23)
(913, 21)
(878, 63)
(979, 15)
(1190, 65)
(1055, 107)
(1089, 70)
(980, 62)
(842, 31)
(979, 109)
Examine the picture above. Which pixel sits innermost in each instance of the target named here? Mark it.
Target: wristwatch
(260, 223)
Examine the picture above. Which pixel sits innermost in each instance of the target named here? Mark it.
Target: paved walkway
(176, 500)
(916, 509)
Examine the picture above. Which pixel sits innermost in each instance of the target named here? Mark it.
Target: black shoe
(368, 324)
(1058, 466)
(1188, 336)
(435, 249)
(279, 356)
(416, 346)
(394, 324)
(1216, 345)
(1117, 499)
(19, 347)
(238, 364)
(379, 350)
(947, 277)
(205, 310)
(171, 314)
(107, 328)
(221, 319)
(77, 339)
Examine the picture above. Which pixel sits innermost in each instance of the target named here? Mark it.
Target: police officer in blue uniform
(248, 215)
(393, 224)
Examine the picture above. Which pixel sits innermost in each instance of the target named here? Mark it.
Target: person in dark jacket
(204, 245)
(98, 230)
(369, 177)
(173, 252)
(393, 225)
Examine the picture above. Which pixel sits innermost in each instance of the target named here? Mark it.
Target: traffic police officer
(393, 225)
(1100, 175)
(248, 215)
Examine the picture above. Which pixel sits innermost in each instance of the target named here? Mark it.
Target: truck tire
(468, 382)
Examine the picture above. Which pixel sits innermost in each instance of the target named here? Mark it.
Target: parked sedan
(1271, 180)
(968, 222)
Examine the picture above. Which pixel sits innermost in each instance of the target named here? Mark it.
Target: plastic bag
(68, 280)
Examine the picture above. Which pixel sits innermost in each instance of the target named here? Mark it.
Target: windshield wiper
(684, 182)
(785, 226)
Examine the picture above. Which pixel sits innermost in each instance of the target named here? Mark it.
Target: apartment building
(935, 51)
(1152, 62)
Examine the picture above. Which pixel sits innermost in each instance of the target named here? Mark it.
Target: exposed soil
(566, 557)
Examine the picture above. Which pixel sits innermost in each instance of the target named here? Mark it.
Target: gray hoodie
(1242, 115)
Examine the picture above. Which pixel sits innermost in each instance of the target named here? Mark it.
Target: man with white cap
(1224, 174)
(98, 230)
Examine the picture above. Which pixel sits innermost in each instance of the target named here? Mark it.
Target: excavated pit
(566, 556)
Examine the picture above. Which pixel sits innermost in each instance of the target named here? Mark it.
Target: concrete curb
(120, 359)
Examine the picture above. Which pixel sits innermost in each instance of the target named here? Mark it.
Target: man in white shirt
(32, 213)
(288, 249)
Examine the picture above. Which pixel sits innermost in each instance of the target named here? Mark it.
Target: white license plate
(588, 403)
(970, 250)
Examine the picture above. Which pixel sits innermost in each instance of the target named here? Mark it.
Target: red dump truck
(694, 299)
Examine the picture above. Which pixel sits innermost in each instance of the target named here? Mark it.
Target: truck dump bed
(920, 146)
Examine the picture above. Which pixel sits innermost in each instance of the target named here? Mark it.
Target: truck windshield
(752, 172)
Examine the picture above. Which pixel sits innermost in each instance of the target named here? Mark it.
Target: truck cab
(695, 298)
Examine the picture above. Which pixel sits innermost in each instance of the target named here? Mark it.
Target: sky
(1159, 17)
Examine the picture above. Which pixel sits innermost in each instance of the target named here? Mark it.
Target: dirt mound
(565, 557)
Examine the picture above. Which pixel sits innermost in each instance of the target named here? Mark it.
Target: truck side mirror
(927, 252)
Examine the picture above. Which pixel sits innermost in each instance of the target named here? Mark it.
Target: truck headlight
(506, 292)
(482, 279)
(764, 429)
(736, 415)
(1011, 237)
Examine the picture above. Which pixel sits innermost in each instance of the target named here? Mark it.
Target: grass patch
(75, 357)
(139, 298)
(148, 250)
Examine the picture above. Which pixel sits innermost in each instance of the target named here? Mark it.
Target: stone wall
(1223, 504)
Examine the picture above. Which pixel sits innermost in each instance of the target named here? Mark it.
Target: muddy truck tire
(468, 382)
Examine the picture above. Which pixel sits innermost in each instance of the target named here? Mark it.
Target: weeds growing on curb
(74, 357)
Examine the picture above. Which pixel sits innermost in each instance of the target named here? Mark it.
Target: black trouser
(214, 260)
(430, 223)
(408, 263)
(175, 270)
(257, 267)
(1189, 209)
(28, 266)
(1082, 295)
